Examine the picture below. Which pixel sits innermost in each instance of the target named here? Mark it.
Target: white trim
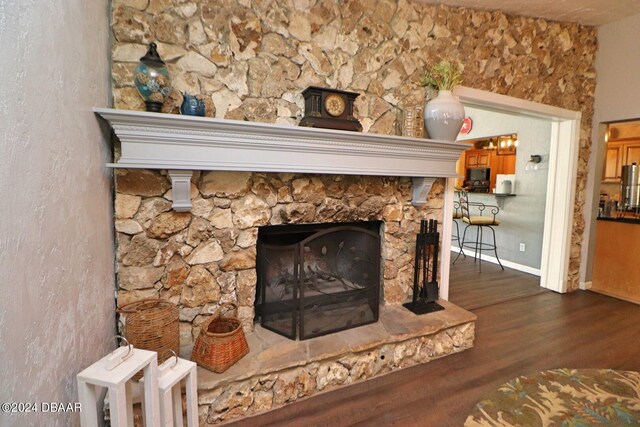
(505, 263)
(171, 141)
(561, 185)
(586, 285)
(594, 177)
(495, 101)
(447, 224)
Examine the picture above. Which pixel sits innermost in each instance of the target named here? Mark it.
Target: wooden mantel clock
(329, 108)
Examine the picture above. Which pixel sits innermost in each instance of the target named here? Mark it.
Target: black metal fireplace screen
(318, 279)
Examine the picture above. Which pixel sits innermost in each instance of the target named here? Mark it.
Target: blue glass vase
(152, 79)
(192, 106)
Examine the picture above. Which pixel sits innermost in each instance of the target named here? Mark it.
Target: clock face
(334, 105)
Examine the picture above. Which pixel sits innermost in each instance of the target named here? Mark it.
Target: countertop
(628, 220)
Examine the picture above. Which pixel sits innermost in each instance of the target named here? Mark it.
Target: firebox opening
(316, 279)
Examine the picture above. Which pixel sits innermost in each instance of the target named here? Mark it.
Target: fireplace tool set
(425, 283)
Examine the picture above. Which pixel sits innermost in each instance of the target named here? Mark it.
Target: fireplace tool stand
(425, 283)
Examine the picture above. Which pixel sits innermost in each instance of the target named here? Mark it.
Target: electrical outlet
(521, 247)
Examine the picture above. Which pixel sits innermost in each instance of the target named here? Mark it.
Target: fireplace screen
(318, 279)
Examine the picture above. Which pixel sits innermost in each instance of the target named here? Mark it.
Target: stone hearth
(278, 371)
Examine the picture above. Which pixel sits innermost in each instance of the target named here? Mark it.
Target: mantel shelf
(187, 143)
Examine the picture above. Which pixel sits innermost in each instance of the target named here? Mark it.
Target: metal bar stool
(480, 222)
(457, 214)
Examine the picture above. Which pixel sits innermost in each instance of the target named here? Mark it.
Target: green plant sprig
(443, 76)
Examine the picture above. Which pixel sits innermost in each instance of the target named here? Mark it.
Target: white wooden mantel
(182, 144)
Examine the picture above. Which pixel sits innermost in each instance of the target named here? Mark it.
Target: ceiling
(585, 12)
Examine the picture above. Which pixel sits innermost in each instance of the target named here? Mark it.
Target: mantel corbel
(181, 189)
(420, 190)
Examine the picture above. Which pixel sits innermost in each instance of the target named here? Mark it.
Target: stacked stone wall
(250, 60)
(205, 258)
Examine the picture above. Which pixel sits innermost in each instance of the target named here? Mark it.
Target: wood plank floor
(471, 289)
(516, 337)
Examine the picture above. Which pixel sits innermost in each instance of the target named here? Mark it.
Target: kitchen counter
(616, 258)
(498, 196)
(625, 219)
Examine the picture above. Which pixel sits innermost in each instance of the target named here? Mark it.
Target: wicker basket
(220, 344)
(152, 324)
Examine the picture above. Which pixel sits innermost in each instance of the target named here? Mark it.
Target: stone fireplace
(188, 219)
(206, 257)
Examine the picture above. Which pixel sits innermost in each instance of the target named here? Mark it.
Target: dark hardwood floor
(470, 289)
(520, 335)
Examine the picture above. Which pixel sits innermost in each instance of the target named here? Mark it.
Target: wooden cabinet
(615, 260)
(501, 164)
(618, 154)
(507, 164)
(612, 162)
(478, 158)
(484, 159)
(632, 153)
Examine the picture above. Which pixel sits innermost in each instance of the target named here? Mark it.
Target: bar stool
(480, 222)
(457, 214)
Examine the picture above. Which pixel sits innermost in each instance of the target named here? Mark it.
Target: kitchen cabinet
(502, 164)
(615, 262)
(613, 162)
(631, 152)
(506, 164)
(618, 154)
(478, 158)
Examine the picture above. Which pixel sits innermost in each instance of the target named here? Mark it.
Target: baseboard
(585, 285)
(505, 263)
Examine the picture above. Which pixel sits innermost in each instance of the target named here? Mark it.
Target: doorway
(562, 171)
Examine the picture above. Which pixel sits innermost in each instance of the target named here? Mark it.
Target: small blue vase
(192, 106)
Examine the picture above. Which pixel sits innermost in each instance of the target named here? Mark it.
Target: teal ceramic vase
(152, 79)
(192, 105)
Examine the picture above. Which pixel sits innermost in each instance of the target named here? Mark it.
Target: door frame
(561, 184)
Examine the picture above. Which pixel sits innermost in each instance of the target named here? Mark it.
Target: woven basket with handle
(221, 342)
(152, 324)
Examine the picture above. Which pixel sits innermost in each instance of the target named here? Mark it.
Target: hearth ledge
(188, 143)
(400, 339)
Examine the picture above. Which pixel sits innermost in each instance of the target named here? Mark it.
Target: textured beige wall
(56, 251)
(251, 59)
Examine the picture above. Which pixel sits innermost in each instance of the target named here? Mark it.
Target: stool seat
(481, 220)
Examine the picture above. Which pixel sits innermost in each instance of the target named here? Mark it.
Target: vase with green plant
(443, 115)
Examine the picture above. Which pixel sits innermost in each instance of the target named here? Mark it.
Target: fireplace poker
(425, 285)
